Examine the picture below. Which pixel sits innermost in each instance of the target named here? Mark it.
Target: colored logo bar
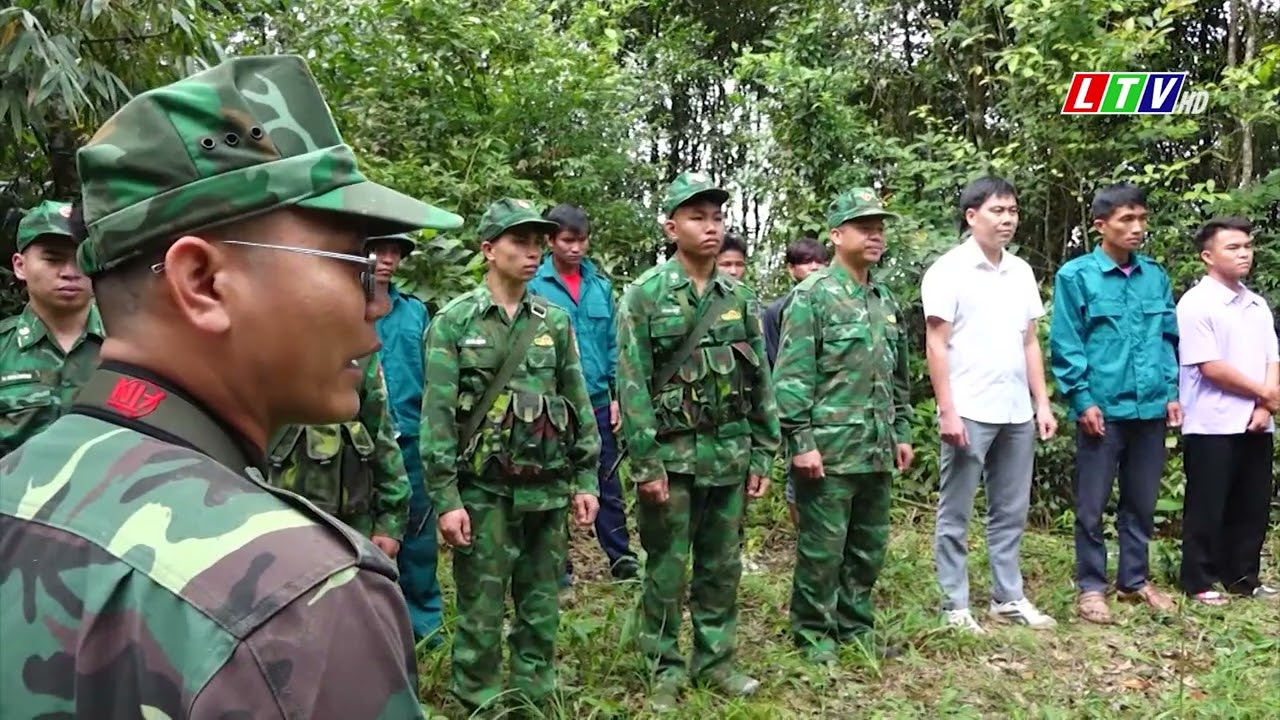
(1132, 93)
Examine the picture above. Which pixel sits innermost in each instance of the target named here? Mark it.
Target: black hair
(979, 191)
(807, 250)
(734, 241)
(1210, 230)
(1113, 197)
(570, 218)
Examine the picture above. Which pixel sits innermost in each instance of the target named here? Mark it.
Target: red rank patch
(134, 398)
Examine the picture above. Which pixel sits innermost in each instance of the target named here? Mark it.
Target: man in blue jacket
(568, 279)
(402, 331)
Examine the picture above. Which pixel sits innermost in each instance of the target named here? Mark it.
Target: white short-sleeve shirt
(989, 308)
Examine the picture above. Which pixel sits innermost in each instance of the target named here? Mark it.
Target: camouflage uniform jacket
(352, 470)
(716, 419)
(543, 418)
(842, 379)
(37, 379)
(149, 571)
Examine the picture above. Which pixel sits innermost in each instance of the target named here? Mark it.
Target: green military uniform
(146, 568)
(352, 470)
(537, 447)
(705, 430)
(37, 378)
(843, 389)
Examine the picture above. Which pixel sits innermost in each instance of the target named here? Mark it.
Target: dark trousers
(611, 521)
(1228, 506)
(1134, 450)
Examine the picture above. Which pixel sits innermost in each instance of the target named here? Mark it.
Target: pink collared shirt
(1216, 322)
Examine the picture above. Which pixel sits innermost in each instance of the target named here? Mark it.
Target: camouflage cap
(401, 240)
(853, 204)
(48, 218)
(248, 136)
(508, 213)
(686, 187)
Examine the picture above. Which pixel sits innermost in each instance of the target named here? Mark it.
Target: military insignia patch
(865, 197)
(893, 319)
(65, 211)
(475, 342)
(522, 204)
(544, 341)
(731, 315)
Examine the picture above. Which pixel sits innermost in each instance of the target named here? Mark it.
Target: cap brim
(549, 226)
(865, 214)
(405, 244)
(383, 210)
(715, 195)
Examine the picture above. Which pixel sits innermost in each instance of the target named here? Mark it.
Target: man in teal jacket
(568, 279)
(402, 331)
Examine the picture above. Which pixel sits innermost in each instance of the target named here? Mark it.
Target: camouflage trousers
(702, 522)
(525, 550)
(843, 533)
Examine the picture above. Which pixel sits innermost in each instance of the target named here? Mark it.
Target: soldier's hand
(585, 507)
(387, 545)
(455, 525)
(809, 465)
(905, 456)
(757, 486)
(654, 492)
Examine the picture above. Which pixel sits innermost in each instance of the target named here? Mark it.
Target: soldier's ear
(20, 266)
(669, 227)
(486, 249)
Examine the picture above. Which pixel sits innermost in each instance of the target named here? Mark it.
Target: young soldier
(844, 400)
(208, 206)
(569, 279)
(1113, 340)
(47, 351)
(699, 420)
(1229, 387)
(732, 259)
(402, 332)
(509, 442)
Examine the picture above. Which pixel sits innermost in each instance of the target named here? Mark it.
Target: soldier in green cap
(700, 425)
(844, 401)
(48, 350)
(222, 224)
(509, 443)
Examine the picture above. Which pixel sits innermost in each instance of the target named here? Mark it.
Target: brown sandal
(1152, 597)
(1092, 607)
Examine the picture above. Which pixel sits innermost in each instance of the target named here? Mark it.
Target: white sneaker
(1020, 612)
(963, 619)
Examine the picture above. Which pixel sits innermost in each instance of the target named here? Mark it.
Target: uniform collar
(678, 278)
(31, 329)
(547, 270)
(846, 278)
(487, 303)
(1106, 264)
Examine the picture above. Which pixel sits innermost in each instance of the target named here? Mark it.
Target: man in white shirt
(981, 305)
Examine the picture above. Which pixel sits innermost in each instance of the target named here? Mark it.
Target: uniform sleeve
(635, 367)
(438, 442)
(1067, 357)
(1169, 335)
(903, 412)
(343, 650)
(611, 346)
(390, 481)
(765, 433)
(771, 325)
(584, 456)
(796, 373)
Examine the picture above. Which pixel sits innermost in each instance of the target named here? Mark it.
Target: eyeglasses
(366, 276)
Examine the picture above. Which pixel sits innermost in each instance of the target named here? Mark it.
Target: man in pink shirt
(1229, 385)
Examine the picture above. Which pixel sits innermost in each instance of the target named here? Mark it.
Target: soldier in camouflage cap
(699, 429)
(48, 350)
(223, 220)
(845, 406)
(506, 450)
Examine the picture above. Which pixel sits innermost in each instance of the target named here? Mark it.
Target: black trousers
(1227, 508)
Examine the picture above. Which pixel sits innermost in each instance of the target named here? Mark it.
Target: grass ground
(1195, 663)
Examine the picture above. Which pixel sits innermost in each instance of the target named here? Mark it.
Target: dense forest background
(599, 102)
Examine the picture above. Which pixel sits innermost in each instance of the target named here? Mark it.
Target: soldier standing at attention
(402, 331)
(699, 420)
(509, 443)
(844, 401)
(159, 573)
(48, 350)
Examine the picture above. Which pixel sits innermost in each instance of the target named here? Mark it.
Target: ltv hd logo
(1139, 93)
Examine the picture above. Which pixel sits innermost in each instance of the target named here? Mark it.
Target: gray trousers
(1001, 456)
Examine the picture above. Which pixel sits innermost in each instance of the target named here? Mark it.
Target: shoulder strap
(691, 341)
(508, 368)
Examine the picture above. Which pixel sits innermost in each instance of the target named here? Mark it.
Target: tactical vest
(330, 465)
(712, 390)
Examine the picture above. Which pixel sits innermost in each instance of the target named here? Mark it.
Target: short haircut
(807, 250)
(570, 218)
(1210, 230)
(1113, 197)
(979, 191)
(733, 241)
